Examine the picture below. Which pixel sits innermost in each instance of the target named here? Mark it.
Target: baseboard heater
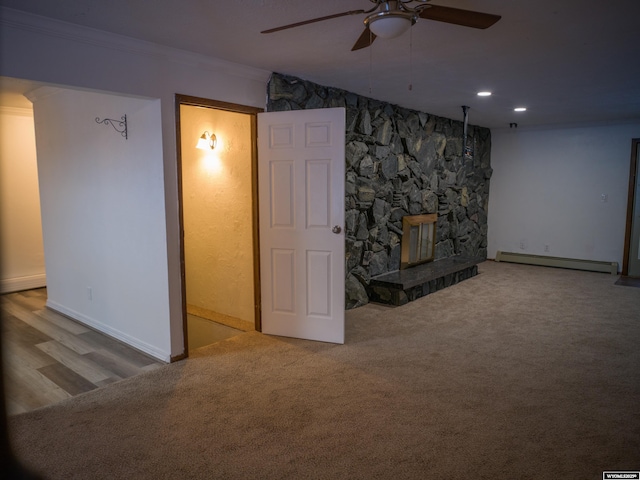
(544, 261)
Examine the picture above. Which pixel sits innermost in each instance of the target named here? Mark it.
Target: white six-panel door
(301, 193)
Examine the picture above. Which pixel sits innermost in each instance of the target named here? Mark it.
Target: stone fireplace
(402, 162)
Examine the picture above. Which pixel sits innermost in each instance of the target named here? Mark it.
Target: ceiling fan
(391, 18)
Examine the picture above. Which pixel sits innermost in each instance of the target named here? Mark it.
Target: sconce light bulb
(207, 141)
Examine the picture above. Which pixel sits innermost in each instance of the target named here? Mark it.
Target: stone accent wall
(399, 162)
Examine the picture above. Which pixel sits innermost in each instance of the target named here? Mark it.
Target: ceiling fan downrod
(465, 112)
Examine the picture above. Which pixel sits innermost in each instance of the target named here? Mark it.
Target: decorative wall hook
(121, 127)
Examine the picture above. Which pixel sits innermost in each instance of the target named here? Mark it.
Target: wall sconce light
(119, 126)
(207, 141)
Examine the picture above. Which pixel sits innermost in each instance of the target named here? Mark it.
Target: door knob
(336, 229)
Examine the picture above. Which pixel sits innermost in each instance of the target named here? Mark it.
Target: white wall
(103, 216)
(45, 50)
(547, 189)
(21, 250)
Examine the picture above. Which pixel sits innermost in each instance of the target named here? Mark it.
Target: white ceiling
(567, 61)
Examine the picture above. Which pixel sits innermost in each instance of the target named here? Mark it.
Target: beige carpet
(520, 372)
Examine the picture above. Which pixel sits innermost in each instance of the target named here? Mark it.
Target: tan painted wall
(21, 248)
(217, 204)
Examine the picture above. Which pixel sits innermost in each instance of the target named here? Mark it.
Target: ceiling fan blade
(314, 20)
(457, 16)
(365, 40)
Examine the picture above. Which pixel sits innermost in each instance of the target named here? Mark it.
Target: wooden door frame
(635, 145)
(234, 108)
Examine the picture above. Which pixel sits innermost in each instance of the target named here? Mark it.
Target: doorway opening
(218, 219)
(22, 265)
(631, 260)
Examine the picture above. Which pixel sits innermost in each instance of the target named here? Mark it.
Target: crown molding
(569, 126)
(42, 92)
(16, 111)
(90, 36)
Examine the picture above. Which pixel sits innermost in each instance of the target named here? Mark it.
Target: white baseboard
(110, 331)
(544, 261)
(8, 285)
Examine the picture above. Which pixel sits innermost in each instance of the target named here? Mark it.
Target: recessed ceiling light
(484, 94)
(520, 109)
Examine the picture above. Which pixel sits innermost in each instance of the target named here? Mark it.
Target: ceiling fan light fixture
(390, 24)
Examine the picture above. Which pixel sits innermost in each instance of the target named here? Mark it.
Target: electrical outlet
(605, 198)
(523, 245)
(89, 293)
(546, 248)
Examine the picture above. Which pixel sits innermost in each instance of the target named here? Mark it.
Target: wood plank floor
(49, 357)
(628, 281)
(202, 332)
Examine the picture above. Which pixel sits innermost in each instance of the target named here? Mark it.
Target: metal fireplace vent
(418, 239)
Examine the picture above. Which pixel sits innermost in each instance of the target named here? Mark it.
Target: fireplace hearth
(420, 274)
(402, 286)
